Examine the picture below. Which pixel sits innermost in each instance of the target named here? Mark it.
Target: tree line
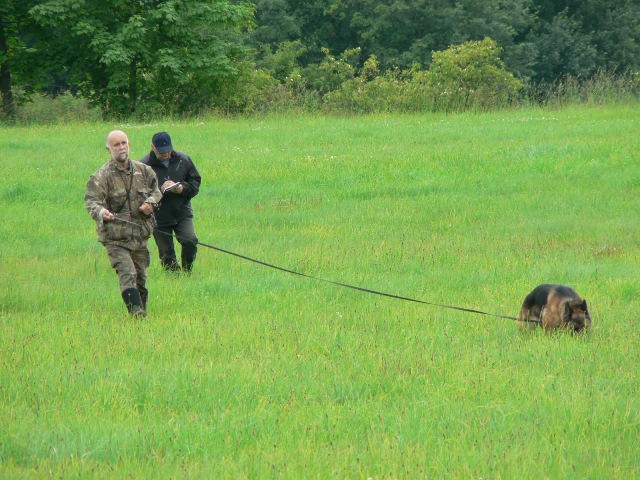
(182, 57)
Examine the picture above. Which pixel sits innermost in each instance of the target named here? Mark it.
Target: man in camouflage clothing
(121, 197)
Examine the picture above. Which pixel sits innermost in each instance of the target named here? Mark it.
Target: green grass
(241, 371)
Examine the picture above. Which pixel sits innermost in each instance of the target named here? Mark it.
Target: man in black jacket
(179, 182)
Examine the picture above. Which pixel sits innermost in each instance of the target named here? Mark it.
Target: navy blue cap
(162, 142)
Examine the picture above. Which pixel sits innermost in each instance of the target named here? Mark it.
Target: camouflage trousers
(130, 263)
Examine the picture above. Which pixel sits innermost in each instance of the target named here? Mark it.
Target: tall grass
(395, 91)
(601, 88)
(55, 110)
(244, 371)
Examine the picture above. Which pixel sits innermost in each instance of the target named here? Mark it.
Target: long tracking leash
(345, 285)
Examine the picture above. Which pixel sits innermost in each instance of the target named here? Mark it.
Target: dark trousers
(186, 236)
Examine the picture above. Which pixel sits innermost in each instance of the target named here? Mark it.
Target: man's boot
(187, 268)
(171, 266)
(144, 296)
(188, 256)
(132, 300)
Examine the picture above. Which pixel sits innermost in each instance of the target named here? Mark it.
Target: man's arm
(95, 200)
(192, 181)
(152, 201)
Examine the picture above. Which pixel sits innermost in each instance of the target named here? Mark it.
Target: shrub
(464, 77)
(332, 72)
(368, 92)
(250, 91)
(284, 61)
(471, 76)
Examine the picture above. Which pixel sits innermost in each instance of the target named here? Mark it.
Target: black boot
(187, 268)
(188, 255)
(132, 300)
(144, 296)
(171, 267)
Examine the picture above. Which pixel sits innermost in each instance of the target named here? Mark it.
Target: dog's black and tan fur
(554, 307)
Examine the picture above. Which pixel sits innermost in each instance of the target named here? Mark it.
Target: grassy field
(241, 371)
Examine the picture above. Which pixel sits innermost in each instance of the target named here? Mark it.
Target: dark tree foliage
(275, 24)
(402, 33)
(582, 37)
(614, 26)
(541, 39)
(564, 49)
(19, 34)
(9, 28)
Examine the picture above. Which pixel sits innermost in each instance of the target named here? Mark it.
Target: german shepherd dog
(554, 307)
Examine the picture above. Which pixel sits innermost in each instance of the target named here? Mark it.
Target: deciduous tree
(164, 54)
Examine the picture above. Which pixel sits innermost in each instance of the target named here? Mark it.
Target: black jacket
(175, 207)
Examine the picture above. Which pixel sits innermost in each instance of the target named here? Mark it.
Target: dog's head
(576, 316)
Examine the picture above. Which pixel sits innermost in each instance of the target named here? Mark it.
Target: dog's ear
(584, 306)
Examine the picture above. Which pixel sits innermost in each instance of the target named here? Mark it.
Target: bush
(368, 92)
(471, 76)
(332, 72)
(464, 77)
(257, 91)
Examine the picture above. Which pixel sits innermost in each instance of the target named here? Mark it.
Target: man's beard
(121, 157)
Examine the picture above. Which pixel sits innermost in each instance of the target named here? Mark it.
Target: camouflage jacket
(122, 192)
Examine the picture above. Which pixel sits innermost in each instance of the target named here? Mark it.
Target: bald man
(121, 197)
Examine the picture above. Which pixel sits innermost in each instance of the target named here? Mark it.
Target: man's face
(163, 157)
(118, 147)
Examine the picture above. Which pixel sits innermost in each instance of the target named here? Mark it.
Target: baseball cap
(162, 142)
